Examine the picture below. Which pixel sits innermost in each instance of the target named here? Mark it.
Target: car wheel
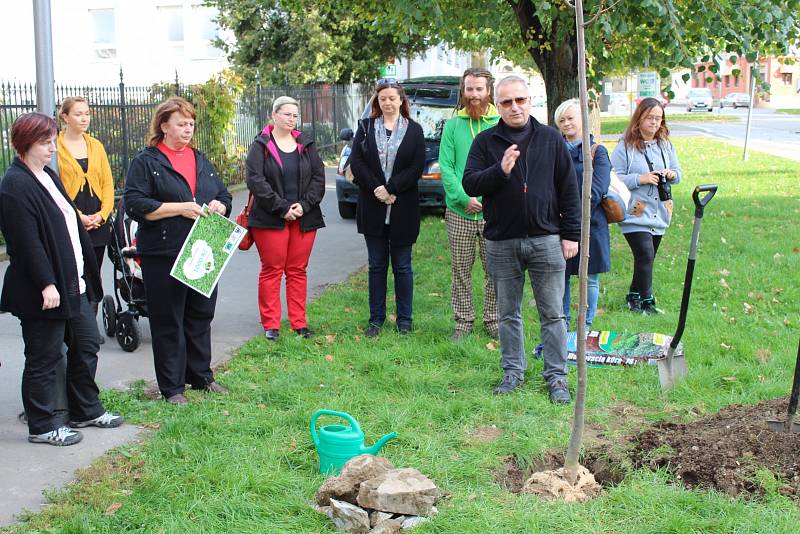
(710, 110)
(735, 106)
(109, 315)
(347, 210)
(688, 110)
(129, 333)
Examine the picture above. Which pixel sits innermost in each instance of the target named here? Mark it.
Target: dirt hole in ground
(730, 451)
(512, 474)
(725, 451)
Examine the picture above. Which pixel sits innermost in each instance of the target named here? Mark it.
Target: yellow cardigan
(101, 181)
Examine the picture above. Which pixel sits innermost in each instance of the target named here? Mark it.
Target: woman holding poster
(167, 184)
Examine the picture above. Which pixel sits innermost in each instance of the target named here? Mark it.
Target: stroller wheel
(128, 332)
(109, 315)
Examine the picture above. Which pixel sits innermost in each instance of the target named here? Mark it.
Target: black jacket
(539, 197)
(151, 181)
(368, 174)
(265, 181)
(39, 248)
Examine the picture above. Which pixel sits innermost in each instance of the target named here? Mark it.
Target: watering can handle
(700, 203)
(343, 415)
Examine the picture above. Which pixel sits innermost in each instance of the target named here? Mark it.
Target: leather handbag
(241, 219)
(615, 201)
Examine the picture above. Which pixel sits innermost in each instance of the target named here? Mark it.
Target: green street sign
(389, 71)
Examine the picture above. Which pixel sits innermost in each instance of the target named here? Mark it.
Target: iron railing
(121, 116)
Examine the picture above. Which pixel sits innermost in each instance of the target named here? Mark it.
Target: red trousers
(282, 252)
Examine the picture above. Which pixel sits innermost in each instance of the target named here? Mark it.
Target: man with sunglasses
(464, 213)
(524, 173)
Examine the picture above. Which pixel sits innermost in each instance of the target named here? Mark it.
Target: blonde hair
(163, 112)
(66, 106)
(281, 101)
(563, 107)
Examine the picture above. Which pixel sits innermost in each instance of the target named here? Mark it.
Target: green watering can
(336, 444)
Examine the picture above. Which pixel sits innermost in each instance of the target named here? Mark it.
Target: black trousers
(43, 341)
(644, 246)
(180, 324)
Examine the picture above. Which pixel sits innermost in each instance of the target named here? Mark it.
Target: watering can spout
(376, 447)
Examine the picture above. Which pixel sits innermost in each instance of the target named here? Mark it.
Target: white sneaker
(107, 420)
(60, 437)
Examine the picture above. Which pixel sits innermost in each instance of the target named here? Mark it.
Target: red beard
(476, 109)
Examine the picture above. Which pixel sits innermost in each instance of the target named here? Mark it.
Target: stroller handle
(700, 203)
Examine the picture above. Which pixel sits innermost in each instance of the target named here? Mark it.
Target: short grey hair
(281, 101)
(563, 107)
(513, 78)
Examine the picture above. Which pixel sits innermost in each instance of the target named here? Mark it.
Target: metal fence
(121, 117)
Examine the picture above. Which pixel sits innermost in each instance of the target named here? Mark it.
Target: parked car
(735, 100)
(699, 98)
(433, 101)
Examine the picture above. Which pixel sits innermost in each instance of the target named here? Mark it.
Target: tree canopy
(304, 41)
(340, 40)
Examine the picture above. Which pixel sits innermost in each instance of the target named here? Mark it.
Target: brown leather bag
(614, 210)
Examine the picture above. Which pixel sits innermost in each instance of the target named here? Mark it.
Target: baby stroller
(128, 284)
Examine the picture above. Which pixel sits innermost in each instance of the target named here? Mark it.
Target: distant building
(734, 77)
(92, 39)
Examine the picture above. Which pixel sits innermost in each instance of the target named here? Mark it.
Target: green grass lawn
(617, 125)
(792, 111)
(245, 463)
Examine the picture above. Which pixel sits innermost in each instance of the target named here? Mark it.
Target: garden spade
(790, 425)
(672, 368)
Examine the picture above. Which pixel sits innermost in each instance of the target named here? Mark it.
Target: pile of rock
(370, 495)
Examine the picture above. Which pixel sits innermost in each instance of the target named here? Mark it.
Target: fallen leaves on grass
(330, 338)
(729, 378)
(112, 508)
(748, 309)
(725, 272)
(763, 355)
(725, 346)
(329, 357)
(492, 345)
(723, 283)
(434, 294)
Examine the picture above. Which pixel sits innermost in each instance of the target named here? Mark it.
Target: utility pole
(753, 66)
(45, 81)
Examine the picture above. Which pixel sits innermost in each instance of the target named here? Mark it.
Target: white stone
(400, 491)
(349, 517)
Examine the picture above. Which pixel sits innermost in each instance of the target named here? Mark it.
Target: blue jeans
(507, 261)
(593, 292)
(379, 251)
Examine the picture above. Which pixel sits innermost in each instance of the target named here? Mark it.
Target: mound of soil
(723, 451)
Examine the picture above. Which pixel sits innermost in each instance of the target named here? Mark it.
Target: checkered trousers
(463, 234)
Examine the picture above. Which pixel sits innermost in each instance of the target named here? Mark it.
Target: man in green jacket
(464, 214)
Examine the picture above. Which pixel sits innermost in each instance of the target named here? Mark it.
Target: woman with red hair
(50, 283)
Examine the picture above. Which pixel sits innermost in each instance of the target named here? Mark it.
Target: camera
(664, 187)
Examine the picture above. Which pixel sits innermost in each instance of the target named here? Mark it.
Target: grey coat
(646, 213)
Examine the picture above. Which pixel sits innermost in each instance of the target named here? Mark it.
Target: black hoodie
(539, 197)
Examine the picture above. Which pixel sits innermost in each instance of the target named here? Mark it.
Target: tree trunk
(560, 73)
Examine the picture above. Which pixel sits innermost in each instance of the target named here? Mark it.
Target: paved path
(27, 469)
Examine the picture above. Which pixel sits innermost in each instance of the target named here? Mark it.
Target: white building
(92, 39)
(436, 61)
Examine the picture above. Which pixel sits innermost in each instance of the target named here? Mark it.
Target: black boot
(634, 302)
(648, 306)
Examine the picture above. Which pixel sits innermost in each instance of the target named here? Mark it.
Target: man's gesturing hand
(509, 159)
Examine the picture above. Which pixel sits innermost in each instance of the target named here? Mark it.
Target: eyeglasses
(654, 118)
(508, 102)
(289, 115)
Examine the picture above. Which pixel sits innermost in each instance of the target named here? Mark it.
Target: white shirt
(72, 225)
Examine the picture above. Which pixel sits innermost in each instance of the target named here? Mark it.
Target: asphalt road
(28, 469)
(774, 133)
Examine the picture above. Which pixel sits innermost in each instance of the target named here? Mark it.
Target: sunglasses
(508, 102)
(387, 82)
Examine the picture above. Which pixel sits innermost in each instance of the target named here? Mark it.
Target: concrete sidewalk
(28, 469)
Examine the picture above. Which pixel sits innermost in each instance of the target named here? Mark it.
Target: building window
(786, 77)
(727, 80)
(204, 31)
(104, 33)
(171, 19)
